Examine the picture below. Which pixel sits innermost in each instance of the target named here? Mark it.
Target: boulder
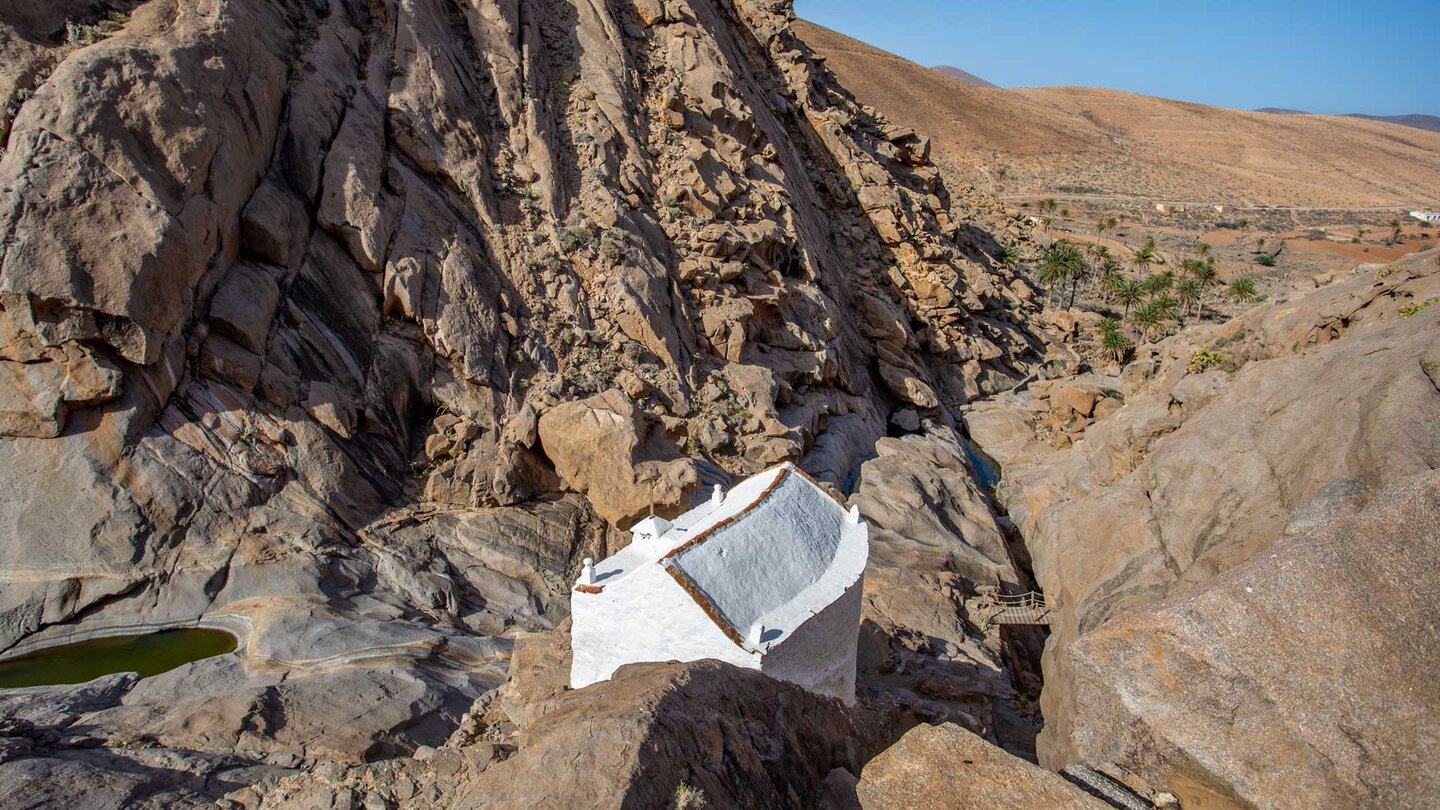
(615, 454)
(948, 768)
(734, 736)
(244, 305)
(926, 510)
(1337, 612)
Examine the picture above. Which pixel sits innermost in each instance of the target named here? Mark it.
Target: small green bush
(574, 237)
(1202, 360)
(78, 34)
(1415, 307)
(610, 248)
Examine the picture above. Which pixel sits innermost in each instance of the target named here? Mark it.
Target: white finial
(716, 496)
(854, 515)
(757, 632)
(587, 572)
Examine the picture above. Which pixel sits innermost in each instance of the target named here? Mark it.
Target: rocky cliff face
(1203, 603)
(355, 325)
(273, 272)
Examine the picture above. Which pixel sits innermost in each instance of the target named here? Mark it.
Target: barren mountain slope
(963, 75)
(1106, 142)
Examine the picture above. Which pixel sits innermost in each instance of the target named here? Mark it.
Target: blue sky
(1373, 56)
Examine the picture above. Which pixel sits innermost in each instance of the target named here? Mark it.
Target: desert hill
(1427, 122)
(1107, 143)
(963, 75)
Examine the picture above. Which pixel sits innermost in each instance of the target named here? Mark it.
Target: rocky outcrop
(948, 767)
(935, 549)
(1318, 405)
(728, 736)
(374, 257)
(1337, 612)
(618, 456)
(736, 737)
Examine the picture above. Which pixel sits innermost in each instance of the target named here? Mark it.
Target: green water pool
(147, 654)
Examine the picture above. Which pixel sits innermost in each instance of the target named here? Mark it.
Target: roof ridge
(785, 471)
(689, 585)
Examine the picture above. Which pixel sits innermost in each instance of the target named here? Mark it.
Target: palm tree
(1158, 282)
(1143, 258)
(1007, 256)
(1064, 262)
(1241, 291)
(1203, 249)
(1111, 279)
(1045, 223)
(1189, 292)
(1116, 343)
(1167, 305)
(1112, 339)
(1054, 267)
(1395, 231)
(1111, 223)
(1129, 293)
(1205, 274)
(1147, 319)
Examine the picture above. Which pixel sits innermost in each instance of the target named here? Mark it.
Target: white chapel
(768, 576)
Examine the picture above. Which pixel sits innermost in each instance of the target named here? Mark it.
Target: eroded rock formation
(1183, 537)
(356, 325)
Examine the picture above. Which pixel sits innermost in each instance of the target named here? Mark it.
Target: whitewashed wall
(646, 616)
(820, 654)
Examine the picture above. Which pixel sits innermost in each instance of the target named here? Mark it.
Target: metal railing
(1024, 608)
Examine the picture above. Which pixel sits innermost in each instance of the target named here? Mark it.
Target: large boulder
(617, 455)
(926, 511)
(1303, 678)
(948, 768)
(736, 737)
(935, 545)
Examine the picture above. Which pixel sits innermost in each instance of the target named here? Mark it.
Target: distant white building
(1432, 217)
(768, 577)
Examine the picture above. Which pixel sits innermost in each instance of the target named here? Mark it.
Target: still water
(148, 654)
(986, 468)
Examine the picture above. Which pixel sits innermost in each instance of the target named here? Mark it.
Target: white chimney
(587, 572)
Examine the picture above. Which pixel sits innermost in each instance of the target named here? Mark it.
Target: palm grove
(1149, 303)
